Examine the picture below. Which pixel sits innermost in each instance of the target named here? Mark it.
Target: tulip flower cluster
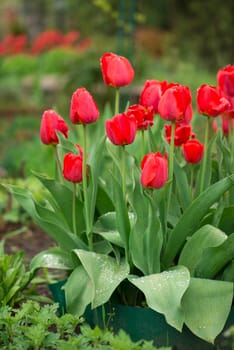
(45, 41)
(137, 193)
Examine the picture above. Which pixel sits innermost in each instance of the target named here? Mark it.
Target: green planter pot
(144, 323)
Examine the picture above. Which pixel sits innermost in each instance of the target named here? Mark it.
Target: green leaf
(103, 201)
(53, 258)
(164, 291)
(122, 217)
(226, 222)
(48, 222)
(206, 236)
(208, 165)
(63, 197)
(106, 227)
(206, 304)
(228, 272)
(104, 272)
(146, 234)
(187, 224)
(95, 162)
(182, 186)
(78, 291)
(215, 258)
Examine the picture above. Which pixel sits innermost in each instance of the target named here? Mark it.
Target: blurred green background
(175, 40)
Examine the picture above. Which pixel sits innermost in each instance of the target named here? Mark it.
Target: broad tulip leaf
(226, 222)
(164, 291)
(105, 274)
(146, 234)
(206, 236)
(106, 227)
(215, 258)
(122, 218)
(53, 258)
(63, 197)
(95, 161)
(103, 202)
(228, 272)
(48, 222)
(190, 220)
(182, 186)
(206, 304)
(208, 168)
(78, 291)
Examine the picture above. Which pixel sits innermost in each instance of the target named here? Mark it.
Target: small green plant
(16, 282)
(38, 327)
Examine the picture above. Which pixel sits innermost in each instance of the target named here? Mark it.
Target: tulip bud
(121, 129)
(154, 170)
(51, 122)
(175, 103)
(72, 166)
(151, 93)
(210, 101)
(225, 78)
(83, 109)
(117, 71)
(193, 151)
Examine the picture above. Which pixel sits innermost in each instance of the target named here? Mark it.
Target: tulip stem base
(204, 161)
(171, 164)
(85, 190)
(74, 208)
(117, 97)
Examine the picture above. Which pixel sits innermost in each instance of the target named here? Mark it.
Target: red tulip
(72, 166)
(83, 109)
(154, 170)
(193, 151)
(121, 129)
(210, 102)
(117, 71)
(225, 78)
(151, 93)
(175, 103)
(51, 123)
(144, 115)
(182, 133)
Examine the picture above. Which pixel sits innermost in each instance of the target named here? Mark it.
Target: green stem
(142, 143)
(204, 160)
(192, 179)
(117, 97)
(124, 171)
(171, 164)
(85, 190)
(172, 148)
(74, 208)
(59, 165)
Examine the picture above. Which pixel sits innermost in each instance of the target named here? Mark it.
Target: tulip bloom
(182, 133)
(175, 103)
(225, 78)
(83, 109)
(210, 101)
(144, 116)
(193, 151)
(117, 71)
(51, 122)
(121, 129)
(154, 170)
(72, 166)
(151, 93)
